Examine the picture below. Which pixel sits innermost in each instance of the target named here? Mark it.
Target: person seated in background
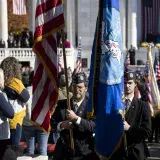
(83, 129)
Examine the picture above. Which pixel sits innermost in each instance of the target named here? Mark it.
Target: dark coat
(139, 119)
(82, 133)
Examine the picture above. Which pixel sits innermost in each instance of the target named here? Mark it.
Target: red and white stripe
(59, 67)
(49, 19)
(147, 81)
(155, 96)
(79, 66)
(149, 93)
(60, 61)
(59, 64)
(157, 71)
(19, 7)
(79, 58)
(137, 93)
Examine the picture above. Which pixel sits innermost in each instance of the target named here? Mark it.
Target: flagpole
(67, 88)
(125, 140)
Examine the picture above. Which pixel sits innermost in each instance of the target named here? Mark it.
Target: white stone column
(70, 21)
(32, 12)
(4, 21)
(123, 21)
(132, 23)
(87, 15)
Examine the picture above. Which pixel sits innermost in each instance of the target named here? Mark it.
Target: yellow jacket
(17, 119)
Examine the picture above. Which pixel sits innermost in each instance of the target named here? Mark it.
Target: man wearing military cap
(137, 124)
(76, 118)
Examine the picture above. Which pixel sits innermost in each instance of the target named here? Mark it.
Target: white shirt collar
(131, 98)
(78, 103)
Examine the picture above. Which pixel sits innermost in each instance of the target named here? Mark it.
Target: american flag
(49, 20)
(137, 93)
(147, 80)
(157, 65)
(153, 82)
(59, 63)
(19, 7)
(59, 67)
(150, 16)
(79, 58)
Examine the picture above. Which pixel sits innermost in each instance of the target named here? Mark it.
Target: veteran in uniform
(137, 124)
(83, 129)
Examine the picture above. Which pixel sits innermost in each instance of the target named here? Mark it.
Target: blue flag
(106, 79)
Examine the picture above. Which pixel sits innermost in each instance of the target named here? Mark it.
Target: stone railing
(26, 54)
(19, 53)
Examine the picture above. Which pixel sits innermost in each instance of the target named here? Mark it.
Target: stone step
(154, 149)
(153, 158)
(35, 157)
(24, 158)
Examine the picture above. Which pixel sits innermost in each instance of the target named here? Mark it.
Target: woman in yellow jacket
(17, 96)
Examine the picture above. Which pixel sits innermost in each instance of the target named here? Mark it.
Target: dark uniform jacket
(139, 119)
(82, 133)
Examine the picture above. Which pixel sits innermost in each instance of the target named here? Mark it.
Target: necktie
(127, 105)
(75, 108)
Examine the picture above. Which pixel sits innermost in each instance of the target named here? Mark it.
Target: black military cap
(79, 78)
(129, 75)
(138, 76)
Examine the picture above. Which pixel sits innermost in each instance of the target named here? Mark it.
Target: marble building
(80, 18)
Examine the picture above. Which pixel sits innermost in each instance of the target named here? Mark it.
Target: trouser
(64, 152)
(33, 133)
(16, 135)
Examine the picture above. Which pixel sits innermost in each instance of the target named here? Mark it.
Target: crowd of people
(2, 44)
(18, 39)
(16, 95)
(24, 39)
(15, 116)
